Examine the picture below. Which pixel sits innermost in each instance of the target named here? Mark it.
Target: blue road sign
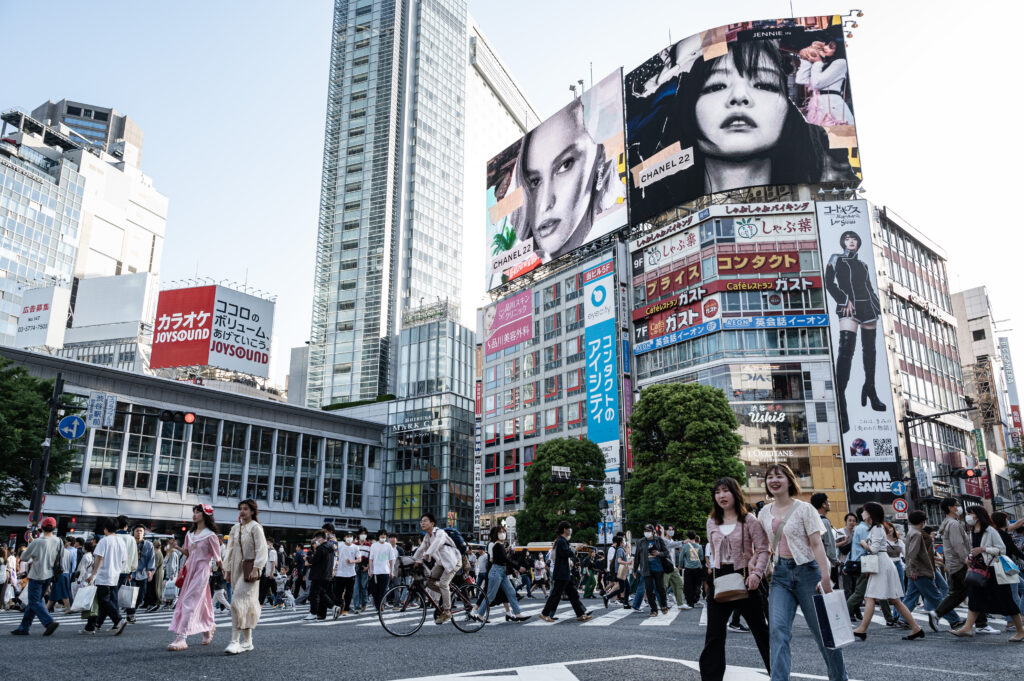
(898, 487)
(71, 427)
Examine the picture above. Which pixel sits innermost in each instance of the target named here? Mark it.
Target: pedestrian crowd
(756, 566)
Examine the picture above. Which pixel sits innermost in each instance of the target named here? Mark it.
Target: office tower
(96, 126)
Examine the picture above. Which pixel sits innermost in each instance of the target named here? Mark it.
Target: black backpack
(460, 543)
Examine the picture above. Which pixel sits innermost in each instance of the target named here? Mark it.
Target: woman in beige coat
(244, 559)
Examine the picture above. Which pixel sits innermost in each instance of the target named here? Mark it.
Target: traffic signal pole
(51, 426)
(908, 422)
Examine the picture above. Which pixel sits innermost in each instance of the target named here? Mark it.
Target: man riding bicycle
(439, 547)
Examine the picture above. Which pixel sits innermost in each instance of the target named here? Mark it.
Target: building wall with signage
(732, 296)
(537, 384)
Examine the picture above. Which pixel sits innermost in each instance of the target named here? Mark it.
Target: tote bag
(869, 564)
(84, 598)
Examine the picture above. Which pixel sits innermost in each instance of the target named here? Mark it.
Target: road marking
(661, 620)
(927, 669)
(609, 618)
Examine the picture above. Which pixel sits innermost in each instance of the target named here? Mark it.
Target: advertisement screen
(559, 187)
(602, 363)
(213, 326)
(744, 105)
(863, 389)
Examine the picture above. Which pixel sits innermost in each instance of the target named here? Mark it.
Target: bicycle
(404, 607)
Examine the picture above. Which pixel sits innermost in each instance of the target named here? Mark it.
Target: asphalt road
(616, 645)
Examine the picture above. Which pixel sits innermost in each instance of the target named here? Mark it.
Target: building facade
(302, 466)
(95, 126)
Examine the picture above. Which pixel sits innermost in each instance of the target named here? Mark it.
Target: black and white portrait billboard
(559, 187)
(744, 105)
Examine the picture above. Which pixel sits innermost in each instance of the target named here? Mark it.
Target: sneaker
(337, 611)
(933, 620)
(739, 627)
(654, 613)
(130, 618)
(344, 613)
(19, 632)
(444, 617)
(246, 646)
(119, 628)
(686, 606)
(987, 630)
(308, 618)
(233, 648)
(50, 628)
(87, 632)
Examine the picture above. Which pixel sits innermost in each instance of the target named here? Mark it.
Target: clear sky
(231, 97)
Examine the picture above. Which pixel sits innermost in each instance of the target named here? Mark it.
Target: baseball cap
(49, 523)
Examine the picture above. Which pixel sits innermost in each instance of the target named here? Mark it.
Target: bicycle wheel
(463, 603)
(404, 612)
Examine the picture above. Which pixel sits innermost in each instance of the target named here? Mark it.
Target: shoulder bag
(776, 538)
(733, 586)
(58, 565)
(869, 562)
(977, 573)
(249, 571)
(622, 571)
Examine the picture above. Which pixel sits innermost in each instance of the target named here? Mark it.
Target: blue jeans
(923, 588)
(497, 579)
(360, 598)
(794, 585)
(638, 599)
(35, 607)
(941, 585)
(1015, 590)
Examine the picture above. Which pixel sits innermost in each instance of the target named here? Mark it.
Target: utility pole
(51, 425)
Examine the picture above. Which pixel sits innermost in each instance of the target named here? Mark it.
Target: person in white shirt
(437, 545)
(108, 559)
(381, 566)
(345, 573)
(267, 584)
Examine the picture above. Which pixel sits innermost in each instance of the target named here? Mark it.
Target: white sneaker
(987, 630)
(246, 646)
(684, 606)
(233, 648)
(309, 617)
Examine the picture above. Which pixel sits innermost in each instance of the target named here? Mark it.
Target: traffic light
(967, 473)
(177, 416)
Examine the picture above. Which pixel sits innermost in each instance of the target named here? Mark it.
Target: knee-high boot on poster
(844, 359)
(867, 339)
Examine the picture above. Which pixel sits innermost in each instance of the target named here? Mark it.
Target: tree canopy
(683, 440)
(545, 503)
(23, 416)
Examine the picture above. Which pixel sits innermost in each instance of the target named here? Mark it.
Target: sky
(231, 98)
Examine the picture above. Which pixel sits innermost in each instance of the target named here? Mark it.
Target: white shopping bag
(170, 591)
(84, 598)
(126, 596)
(833, 619)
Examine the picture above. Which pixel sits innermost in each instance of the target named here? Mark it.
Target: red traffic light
(970, 473)
(177, 416)
(189, 417)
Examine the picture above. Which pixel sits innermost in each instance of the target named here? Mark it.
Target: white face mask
(348, 540)
(569, 534)
(362, 537)
(649, 535)
(383, 540)
(670, 533)
(501, 536)
(970, 519)
(959, 512)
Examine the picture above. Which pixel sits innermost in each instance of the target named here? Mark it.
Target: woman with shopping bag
(738, 558)
(883, 578)
(986, 593)
(193, 612)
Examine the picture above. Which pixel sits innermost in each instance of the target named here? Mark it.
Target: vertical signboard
(1011, 391)
(863, 389)
(601, 339)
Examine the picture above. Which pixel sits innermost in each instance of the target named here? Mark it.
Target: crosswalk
(603, 617)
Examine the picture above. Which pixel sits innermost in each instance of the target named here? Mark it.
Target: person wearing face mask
(648, 562)
(562, 579)
(345, 575)
(497, 579)
(956, 547)
(380, 568)
(990, 596)
(673, 579)
(360, 596)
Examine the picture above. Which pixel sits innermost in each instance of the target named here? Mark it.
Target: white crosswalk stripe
(662, 620)
(609, 618)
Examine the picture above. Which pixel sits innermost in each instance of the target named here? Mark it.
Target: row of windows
(572, 416)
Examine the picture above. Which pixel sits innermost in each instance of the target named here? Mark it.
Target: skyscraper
(393, 188)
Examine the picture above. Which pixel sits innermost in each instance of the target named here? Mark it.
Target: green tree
(23, 416)
(683, 440)
(545, 503)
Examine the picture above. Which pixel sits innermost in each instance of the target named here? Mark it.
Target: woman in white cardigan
(990, 597)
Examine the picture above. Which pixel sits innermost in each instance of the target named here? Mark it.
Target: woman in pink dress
(193, 613)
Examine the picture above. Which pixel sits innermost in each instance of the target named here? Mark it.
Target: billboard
(508, 322)
(1011, 391)
(744, 105)
(43, 318)
(214, 326)
(602, 362)
(560, 186)
(863, 388)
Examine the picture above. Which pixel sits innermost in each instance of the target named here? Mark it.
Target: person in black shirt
(321, 571)
(848, 281)
(563, 579)
(497, 578)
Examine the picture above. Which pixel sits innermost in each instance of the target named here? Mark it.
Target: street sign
(899, 505)
(94, 412)
(901, 515)
(898, 487)
(109, 410)
(71, 427)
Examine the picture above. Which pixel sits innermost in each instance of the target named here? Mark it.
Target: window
(552, 325)
(511, 460)
(511, 399)
(552, 387)
(491, 404)
(574, 317)
(531, 364)
(530, 394)
(491, 377)
(260, 454)
(552, 419)
(284, 476)
(511, 491)
(572, 287)
(529, 426)
(552, 356)
(510, 430)
(142, 429)
(356, 470)
(528, 453)
(574, 349)
(491, 494)
(106, 450)
(491, 431)
(550, 296)
(334, 472)
(512, 370)
(574, 381)
(491, 463)
(204, 453)
(577, 412)
(309, 476)
(978, 334)
(232, 458)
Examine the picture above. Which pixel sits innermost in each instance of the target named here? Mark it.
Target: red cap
(49, 523)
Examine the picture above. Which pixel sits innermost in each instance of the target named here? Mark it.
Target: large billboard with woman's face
(744, 105)
(560, 186)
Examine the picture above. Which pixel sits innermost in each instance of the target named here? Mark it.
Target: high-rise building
(401, 98)
(95, 126)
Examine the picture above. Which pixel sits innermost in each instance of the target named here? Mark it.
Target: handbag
(1003, 574)
(733, 586)
(58, 565)
(127, 596)
(83, 598)
(833, 619)
(977, 573)
(1009, 567)
(869, 564)
(622, 573)
(776, 538)
(852, 568)
(181, 576)
(249, 564)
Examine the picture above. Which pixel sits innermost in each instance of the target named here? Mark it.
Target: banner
(559, 187)
(508, 322)
(863, 389)
(744, 105)
(602, 363)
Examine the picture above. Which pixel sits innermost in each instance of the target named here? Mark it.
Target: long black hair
(208, 520)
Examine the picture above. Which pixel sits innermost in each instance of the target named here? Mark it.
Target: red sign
(986, 486)
(479, 398)
(775, 299)
(184, 322)
(758, 263)
(710, 308)
(973, 487)
(692, 295)
(1015, 413)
